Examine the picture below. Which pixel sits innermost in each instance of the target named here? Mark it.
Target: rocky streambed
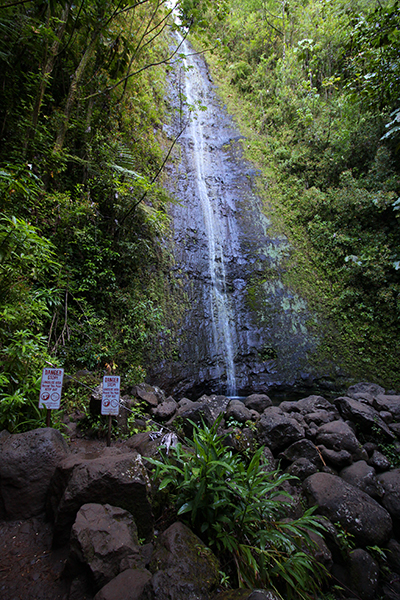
(94, 527)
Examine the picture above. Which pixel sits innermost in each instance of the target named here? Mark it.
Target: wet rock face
(243, 331)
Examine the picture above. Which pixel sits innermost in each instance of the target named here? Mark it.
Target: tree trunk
(46, 72)
(62, 130)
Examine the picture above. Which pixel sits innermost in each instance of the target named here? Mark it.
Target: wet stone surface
(244, 330)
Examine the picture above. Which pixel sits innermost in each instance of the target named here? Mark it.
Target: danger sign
(50, 388)
(110, 399)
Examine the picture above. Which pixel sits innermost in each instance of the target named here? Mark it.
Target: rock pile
(341, 454)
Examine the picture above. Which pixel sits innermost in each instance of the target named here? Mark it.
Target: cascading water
(243, 330)
(222, 317)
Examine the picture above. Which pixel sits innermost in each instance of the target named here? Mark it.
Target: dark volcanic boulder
(338, 444)
(365, 388)
(360, 575)
(302, 468)
(196, 412)
(237, 410)
(165, 410)
(104, 538)
(277, 430)
(320, 417)
(308, 405)
(27, 464)
(258, 402)
(379, 461)
(390, 482)
(358, 513)
(363, 415)
(363, 476)
(184, 568)
(116, 479)
(132, 584)
(388, 403)
(337, 459)
(304, 449)
(153, 395)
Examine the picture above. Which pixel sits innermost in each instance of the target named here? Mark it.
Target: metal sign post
(110, 400)
(50, 391)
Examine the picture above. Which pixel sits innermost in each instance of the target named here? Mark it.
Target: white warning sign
(50, 389)
(110, 399)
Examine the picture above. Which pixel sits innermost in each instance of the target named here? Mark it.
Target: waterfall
(241, 328)
(222, 316)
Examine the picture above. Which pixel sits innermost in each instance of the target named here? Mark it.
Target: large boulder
(215, 404)
(258, 402)
(237, 411)
(389, 403)
(104, 539)
(303, 449)
(379, 461)
(320, 417)
(358, 513)
(152, 395)
(165, 410)
(184, 568)
(366, 417)
(194, 412)
(369, 390)
(116, 479)
(390, 482)
(363, 476)
(277, 430)
(311, 404)
(364, 574)
(360, 575)
(338, 444)
(27, 464)
(132, 584)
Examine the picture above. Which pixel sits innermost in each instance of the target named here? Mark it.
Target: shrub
(239, 509)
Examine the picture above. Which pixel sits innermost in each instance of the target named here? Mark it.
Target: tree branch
(155, 64)
(15, 3)
(132, 209)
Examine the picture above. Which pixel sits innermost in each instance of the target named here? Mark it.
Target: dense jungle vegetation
(85, 266)
(315, 88)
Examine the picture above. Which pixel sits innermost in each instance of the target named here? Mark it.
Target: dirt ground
(29, 569)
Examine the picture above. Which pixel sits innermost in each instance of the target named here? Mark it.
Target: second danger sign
(110, 399)
(50, 389)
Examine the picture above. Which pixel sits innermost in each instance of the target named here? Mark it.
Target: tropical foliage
(84, 278)
(314, 84)
(240, 509)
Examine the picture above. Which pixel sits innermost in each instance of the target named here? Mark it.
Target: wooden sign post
(110, 400)
(50, 391)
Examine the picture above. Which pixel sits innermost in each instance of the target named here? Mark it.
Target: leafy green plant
(239, 509)
(345, 540)
(231, 422)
